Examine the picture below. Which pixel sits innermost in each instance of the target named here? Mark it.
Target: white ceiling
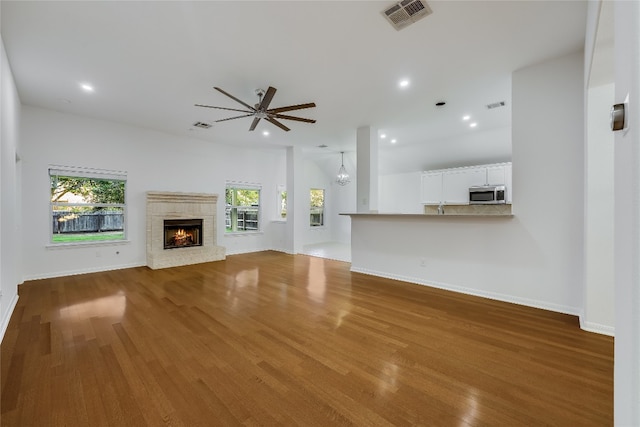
(150, 62)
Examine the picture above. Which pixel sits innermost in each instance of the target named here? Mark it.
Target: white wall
(480, 147)
(155, 162)
(599, 315)
(343, 199)
(400, 193)
(10, 239)
(534, 258)
(627, 218)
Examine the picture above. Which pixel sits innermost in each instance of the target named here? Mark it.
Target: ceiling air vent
(201, 125)
(406, 12)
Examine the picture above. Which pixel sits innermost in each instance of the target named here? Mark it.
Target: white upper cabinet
(431, 188)
(451, 186)
(456, 183)
(496, 175)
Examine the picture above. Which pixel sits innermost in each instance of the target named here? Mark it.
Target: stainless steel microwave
(487, 195)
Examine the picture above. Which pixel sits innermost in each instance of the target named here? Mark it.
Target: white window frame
(84, 172)
(322, 211)
(280, 206)
(242, 186)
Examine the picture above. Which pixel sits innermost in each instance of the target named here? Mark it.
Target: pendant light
(343, 176)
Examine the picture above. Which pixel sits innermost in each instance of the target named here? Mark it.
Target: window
(242, 210)
(281, 202)
(87, 205)
(317, 207)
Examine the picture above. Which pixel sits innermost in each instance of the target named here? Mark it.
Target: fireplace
(182, 233)
(172, 224)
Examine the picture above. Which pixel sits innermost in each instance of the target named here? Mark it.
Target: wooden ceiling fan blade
(298, 119)
(266, 99)
(234, 98)
(277, 123)
(291, 108)
(254, 123)
(223, 108)
(233, 118)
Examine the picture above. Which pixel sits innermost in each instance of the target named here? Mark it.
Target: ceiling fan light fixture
(343, 177)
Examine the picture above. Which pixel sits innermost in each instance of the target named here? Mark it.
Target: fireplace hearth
(182, 233)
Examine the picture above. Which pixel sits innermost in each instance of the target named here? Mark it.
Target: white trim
(83, 172)
(83, 271)
(469, 291)
(243, 185)
(242, 233)
(88, 244)
(596, 327)
(7, 316)
(240, 252)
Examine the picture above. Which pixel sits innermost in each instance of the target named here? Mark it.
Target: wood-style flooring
(273, 339)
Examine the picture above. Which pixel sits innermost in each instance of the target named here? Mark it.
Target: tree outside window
(242, 210)
(282, 201)
(317, 207)
(87, 205)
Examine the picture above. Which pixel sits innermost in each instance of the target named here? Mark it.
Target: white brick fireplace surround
(163, 205)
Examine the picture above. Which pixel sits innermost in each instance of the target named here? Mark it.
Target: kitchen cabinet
(456, 183)
(496, 175)
(431, 186)
(451, 186)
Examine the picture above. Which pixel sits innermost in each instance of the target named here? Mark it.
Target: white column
(367, 173)
(296, 206)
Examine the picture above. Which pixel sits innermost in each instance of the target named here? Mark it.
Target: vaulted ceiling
(150, 62)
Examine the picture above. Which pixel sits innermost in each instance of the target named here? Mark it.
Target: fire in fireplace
(182, 233)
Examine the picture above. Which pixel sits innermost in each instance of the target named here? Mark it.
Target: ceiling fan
(261, 110)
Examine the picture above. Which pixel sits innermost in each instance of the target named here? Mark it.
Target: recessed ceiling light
(265, 132)
(393, 141)
(404, 83)
(472, 125)
(465, 118)
(86, 87)
(383, 136)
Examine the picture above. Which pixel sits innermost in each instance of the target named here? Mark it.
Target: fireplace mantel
(167, 205)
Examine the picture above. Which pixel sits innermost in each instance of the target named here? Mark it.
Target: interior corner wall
(343, 200)
(548, 169)
(10, 261)
(155, 161)
(599, 312)
(534, 258)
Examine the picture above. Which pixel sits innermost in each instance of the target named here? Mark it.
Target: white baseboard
(7, 316)
(82, 271)
(475, 292)
(240, 252)
(596, 327)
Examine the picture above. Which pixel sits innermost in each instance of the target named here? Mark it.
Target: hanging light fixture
(343, 176)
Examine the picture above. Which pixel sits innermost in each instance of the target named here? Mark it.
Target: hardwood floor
(273, 339)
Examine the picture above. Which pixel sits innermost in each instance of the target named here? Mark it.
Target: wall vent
(406, 12)
(495, 105)
(202, 125)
